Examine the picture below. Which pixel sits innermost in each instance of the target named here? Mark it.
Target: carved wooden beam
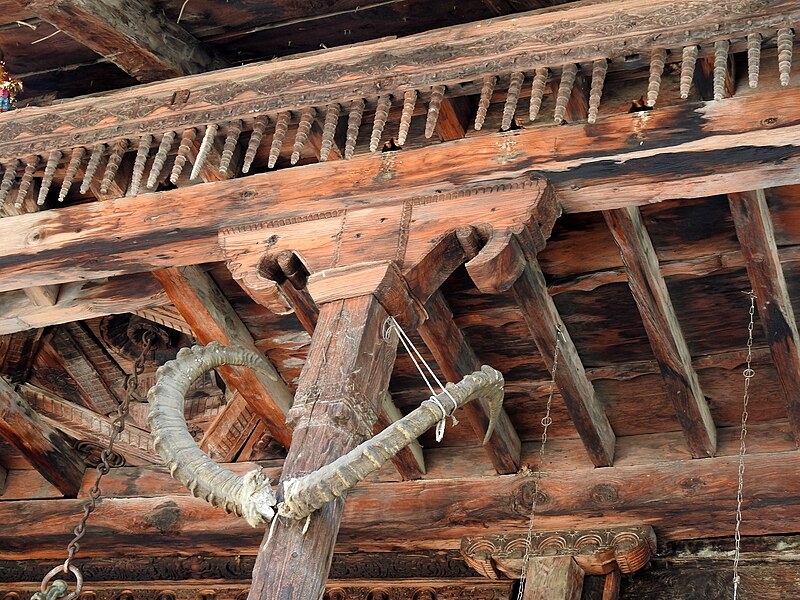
(212, 318)
(597, 551)
(230, 430)
(130, 34)
(661, 323)
(44, 447)
(17, 352)
(456, 359)
(669, 160)
(84, 424)
(581, 32)
(757, 238)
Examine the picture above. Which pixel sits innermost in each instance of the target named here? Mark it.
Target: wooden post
(338, 399)
(553, 578)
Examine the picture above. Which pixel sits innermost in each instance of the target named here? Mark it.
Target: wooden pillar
(553, 578)
(338, 399)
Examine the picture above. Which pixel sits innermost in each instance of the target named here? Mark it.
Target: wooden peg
(142, 151)
(514, 89)
(687, 69)
(231, 139)
(47, 178)
(8, 179)
(205, 147)
(301, 135)
(112, 166)
(281, 128)
(381, 114)
(537, 92)
(437, 94)
(293, 269)
(91, 168)
(568, 75)
(599, 70)
(720, 67)
(785, 42)
(184, 149)
(486, 99)
(353, 125)
(409, 103)
(25, 182)
(259, 125)
(329, 130)
(753, 58)
(72, 169)
(161, 157)
(658, 59)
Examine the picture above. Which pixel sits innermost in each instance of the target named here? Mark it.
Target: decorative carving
(658, 59)
(599, 70)
(597, 551)
(753, 58)
(25, 182)
(434, 105)
(510, 107)
(91, 168)
(72, 169)
(112, 166)
(329, 130)
(91, 451)
(187, 138)
(720, 67)
(568, 75)
(8, 179)
(785, 42)
(123, 334)
(231, 139)
(687, 69)
(353, 125)
(281, 127)
(487, 89)
(379, 122)
(301, 135)
(205, 147)
(47, 178)
(161, 157)
(142, 150)
(409, 103)
(259, 126)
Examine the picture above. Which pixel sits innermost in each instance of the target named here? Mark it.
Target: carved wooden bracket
(597, 551)
(399, 251)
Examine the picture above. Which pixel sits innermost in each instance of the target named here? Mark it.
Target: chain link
(546, 422)
(118, 426)
(748, 374)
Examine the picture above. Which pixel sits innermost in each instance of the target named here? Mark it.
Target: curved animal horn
(251, 496)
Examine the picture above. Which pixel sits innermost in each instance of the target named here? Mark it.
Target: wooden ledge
(597, 551)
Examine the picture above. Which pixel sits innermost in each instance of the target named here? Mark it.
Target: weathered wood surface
(446, 57)
(687, 151)
(666, 337)
(213, 319)
(456, 358)
(339, 396)
(553, 578)
(411, 463)
(756, 235)
(681, 499)
(43, 446)
(18, 351)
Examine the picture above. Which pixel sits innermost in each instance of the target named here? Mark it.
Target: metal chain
(118, 426)
(546, 422)
(748, 374)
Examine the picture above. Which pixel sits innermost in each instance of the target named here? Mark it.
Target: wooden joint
(596, 551)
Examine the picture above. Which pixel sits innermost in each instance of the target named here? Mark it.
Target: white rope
(417, 359)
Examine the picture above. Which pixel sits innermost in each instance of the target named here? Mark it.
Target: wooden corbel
(401, 250)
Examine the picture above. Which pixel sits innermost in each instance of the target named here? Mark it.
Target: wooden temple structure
(586, 196)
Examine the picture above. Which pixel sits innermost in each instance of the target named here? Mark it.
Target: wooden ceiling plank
(663, 329)
(131, 34)
(212, 318)
(456, 359)
(45, 448)
(757, 238)
(600, 173)
(543, 321)
(230, 430)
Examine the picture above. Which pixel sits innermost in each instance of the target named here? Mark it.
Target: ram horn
(251, 496)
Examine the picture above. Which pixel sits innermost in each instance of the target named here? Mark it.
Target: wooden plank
(212, 318)
(757, 238)
(594, 169)
(48, 452)
(543, 321)
(456, 358)
(553, 578)
(130, 34)
(338, 399)
(681, 499)
(449, 56)
(663, 329)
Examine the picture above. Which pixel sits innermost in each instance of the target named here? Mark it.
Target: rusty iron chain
(58, 588)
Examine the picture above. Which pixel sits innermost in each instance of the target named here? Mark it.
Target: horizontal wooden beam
(449, 57)
(591, 168)
(680, 499)
(130, 34)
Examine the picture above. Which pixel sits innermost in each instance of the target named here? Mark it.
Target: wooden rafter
(17, 352)
(211, 317)
(588, 174)
(757, 239)
(456, 358)
(130, 34)
(661, 323)
(44, 447)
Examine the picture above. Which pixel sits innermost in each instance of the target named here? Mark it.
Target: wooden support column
(211, 317)
(661, 323)
(553, 578)
(45, 448)
(757, 238)
(456, 359)
(338, 400)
